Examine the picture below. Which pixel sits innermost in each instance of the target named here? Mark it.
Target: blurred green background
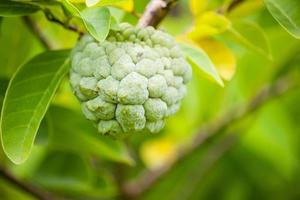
(260, 161)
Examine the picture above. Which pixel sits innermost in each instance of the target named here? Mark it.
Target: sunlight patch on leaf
(197, 7)
(222, 57)
(197, 57)
(208, 24)
(126, 5)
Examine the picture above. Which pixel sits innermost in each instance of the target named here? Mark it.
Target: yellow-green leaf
(126, 5)
(208, 24)
(198, 6)
(251, 36)
(221, 56)
(197, 57)
(96, 20)
(287, 13)
(246, 8)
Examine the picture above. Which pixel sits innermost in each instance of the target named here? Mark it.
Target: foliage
(238, 141)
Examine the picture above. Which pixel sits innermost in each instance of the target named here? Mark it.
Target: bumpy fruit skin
(131, 82)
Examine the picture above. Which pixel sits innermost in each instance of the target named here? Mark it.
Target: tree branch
(52, 18)
(234, 4)
(33, 191)
(268, 92)
(155, 11)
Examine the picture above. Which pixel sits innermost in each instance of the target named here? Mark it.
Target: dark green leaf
(13, 8)
(287, 13)
(72, 175)
(44, 132)
(63, 170)
(3, 87)
(1, 19)
(78, 135)
(28, 96)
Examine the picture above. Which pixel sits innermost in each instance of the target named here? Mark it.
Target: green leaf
(198, 57)
(287, 13)
(3, 87)
(72, 175)
(73, 10)
(28, 96)
(90, 3)
(12, 53)
(63, 170)
(97, 21)
(102, 2)
(251, 36)
(1, 19)
(44, 132)
(76, 134)
(126, 5)
(13, 8)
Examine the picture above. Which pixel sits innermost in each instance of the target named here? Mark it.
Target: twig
(230, 7)
(156, 10)
(146, 180)
(36, 30)
(234, 4)
(35, 192)
(52, 18)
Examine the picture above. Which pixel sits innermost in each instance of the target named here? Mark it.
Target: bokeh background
(255, 156)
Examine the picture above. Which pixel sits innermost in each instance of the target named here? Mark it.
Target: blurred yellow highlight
(198, 6)
(208, 24)
(159, 152)
(221, 56)
(126, 5)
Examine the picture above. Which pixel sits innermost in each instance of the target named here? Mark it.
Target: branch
(230, 7)
(268, 92)
(52, 18)
(234, 4)
(36, 30)
(33, 191)
(155, 11)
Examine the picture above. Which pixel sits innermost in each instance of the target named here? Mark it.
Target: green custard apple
(131, 81)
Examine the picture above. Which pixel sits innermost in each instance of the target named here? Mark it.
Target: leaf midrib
(285, 15)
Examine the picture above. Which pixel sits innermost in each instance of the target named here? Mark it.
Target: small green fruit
(130, 82)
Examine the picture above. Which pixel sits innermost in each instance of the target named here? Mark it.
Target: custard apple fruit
(131, 81)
